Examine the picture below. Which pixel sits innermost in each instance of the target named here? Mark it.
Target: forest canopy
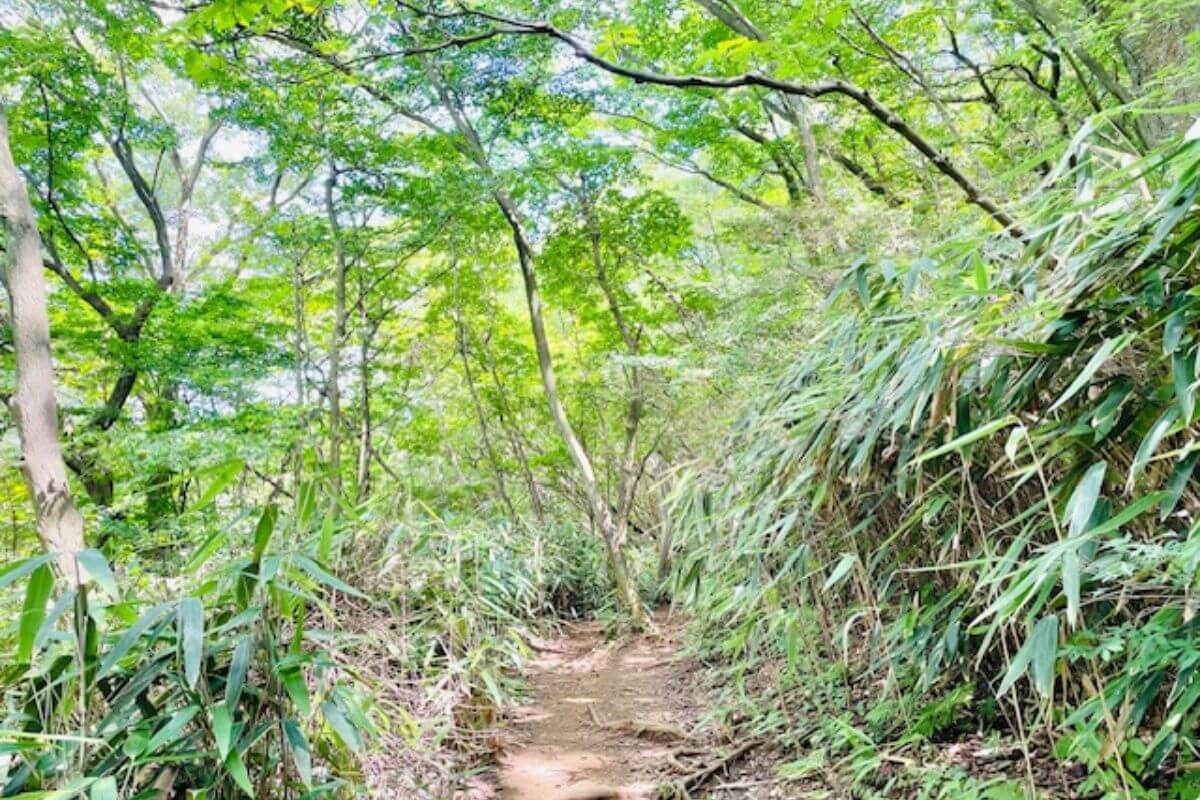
(355, 347)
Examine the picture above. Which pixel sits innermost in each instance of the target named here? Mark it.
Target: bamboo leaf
(1183, 369)
(1045, 652)
(37, 595)
(237, 770)
(171, 732)
(222, 475)
(300, 752)
(321, 576)
(238, 666)
(341, 726)
(104, 789)
(205, 551)
(191, 637)
(1150, 443)
(96, 566)
(1083, 499)
(130, 637)
(14, 572)
(1071, 584)
(967, 438)
(1107, 350)
(263, 531)
(839, 573)
(1178, 482)
(293, 683)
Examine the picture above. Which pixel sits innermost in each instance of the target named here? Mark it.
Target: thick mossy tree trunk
(34, 409)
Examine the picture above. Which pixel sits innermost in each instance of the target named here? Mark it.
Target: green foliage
(943, 424)
(183, 691)
(293, 248)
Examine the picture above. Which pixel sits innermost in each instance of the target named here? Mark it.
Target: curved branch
(942, 163)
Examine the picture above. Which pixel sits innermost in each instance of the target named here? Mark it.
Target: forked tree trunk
(34, 410)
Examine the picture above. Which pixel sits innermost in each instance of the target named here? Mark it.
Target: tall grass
(979, 473)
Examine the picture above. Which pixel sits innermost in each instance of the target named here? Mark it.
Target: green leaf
(14, 572)
(315, 571)
(97, 568)
(1083, 499)
(263, 531)
(1173, 331)
(37, 594)
(237, 769)
(293, 682)
(306, 505)
(191, 636)
(238, 665)
(1106, 351)
(1071, 584)
(222, 726)
(839, 573)
(205, 551)
(325, 546)
(1045, 651)
(172, 730)
(1178, 482)
(130, 637)
(74, 789)
(1183, 368)
(1150, 443)
(341, 726)
(222, 475)
(1038, 654)
(300, 752)
(1134, 509)
(981, 276)
(967, 438)
(104, 789)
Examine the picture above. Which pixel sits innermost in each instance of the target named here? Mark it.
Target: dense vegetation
(387, 333)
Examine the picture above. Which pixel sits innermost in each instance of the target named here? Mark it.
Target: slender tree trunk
(797, 110)
(602, 518)
(339, 333)
(484, 432)
(507, 421)
(627, 483)
(362, 473)
(34, 409)
(299, 355)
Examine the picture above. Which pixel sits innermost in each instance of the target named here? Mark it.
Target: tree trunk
(508, 423)
(797, 111)
(34, 409)
(484, 431)
(339, 332)
(362, 472)
(602, 518)
(299, 354)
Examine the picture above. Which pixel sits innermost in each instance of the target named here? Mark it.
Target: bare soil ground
(604, 718)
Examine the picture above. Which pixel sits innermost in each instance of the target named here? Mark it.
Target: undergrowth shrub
(224, 683)
(979, 477)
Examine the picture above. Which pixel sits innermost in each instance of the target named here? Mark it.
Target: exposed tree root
(682, 788)
(644, 729)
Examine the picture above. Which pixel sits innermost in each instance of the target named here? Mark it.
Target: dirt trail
(601, 720)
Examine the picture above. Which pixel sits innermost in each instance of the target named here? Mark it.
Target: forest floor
(608, 720)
